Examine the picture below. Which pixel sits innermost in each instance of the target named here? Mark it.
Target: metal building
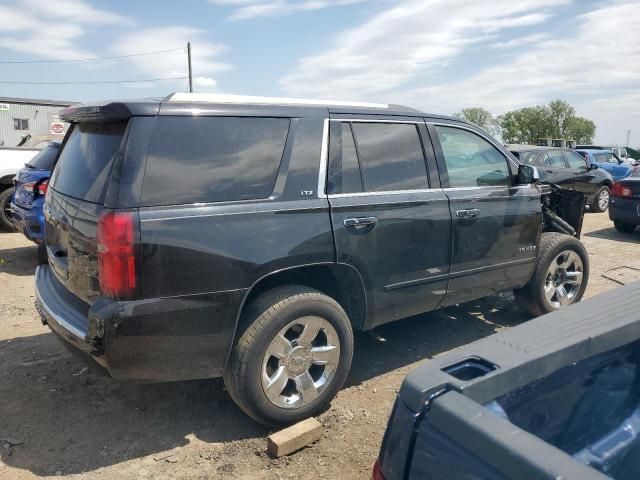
(28, 116)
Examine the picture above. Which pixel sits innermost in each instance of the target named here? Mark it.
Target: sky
(435, 55)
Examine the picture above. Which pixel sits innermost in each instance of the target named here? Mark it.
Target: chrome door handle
(468, 213)
(360, 222)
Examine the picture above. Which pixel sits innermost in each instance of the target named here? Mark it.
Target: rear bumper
(625, 210)
(150, 340)
(29, 221)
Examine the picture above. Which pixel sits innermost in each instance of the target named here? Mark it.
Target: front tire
(5, 211)
(600, 201)
(624, 227)
(560, 275)
(292, 357)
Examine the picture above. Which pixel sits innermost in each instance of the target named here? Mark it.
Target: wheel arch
(340, 281)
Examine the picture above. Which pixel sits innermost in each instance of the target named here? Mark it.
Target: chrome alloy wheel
(564, 279)
(300, 362)
(603, 199)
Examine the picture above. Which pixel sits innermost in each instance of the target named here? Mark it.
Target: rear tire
(600, 201)
(292, 356)
(43, 259)
(560, 275)
(624, 227)
(5, 213)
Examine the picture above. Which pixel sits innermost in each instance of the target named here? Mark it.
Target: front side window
(556, 159)
(576, 162)
(213, 159)
(471, 160)
(391, 156)
(21, 124)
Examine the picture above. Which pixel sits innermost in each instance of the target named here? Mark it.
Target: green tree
(580, 129)
(561, 115)
(526, 125)
(480, 117)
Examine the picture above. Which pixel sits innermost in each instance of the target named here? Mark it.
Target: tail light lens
(42, 186)
(621, 190)
(117, 262)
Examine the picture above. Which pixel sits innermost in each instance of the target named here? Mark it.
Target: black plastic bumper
(149, 340)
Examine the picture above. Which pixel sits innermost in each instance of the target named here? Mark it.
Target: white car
(624, 155)
(12, 159)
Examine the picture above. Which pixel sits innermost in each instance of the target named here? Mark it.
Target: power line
(156, 52)
(2, 82)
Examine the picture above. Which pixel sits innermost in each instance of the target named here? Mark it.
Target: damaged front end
(562, 210)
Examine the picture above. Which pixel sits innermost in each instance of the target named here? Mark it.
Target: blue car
(608, 161)
(30, 188)
(624, 203)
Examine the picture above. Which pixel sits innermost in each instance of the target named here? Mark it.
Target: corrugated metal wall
(39, 116)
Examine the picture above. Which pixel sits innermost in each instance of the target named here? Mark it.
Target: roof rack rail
(254, 100)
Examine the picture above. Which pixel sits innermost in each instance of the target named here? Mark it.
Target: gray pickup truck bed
(540, 400)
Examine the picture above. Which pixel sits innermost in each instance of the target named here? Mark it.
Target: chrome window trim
(481, 135)
(385, 192)
(375, 120)
(324, 160)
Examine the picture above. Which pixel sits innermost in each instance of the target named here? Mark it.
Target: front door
(557, 170)
(583, 176)
(388, 222)
(496, 224)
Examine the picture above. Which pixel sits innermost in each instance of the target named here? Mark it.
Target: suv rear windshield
(45, 158)
(213, 159)
(86, 159)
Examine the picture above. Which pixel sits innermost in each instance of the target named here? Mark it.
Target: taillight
(621, 190)
(117, 254)
(42, 186)
(377, 472)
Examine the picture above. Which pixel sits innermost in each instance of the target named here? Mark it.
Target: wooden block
(294, 437)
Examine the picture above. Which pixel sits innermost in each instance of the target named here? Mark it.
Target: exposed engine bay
(562, 210)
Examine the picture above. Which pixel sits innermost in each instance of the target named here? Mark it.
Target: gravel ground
(72, 423)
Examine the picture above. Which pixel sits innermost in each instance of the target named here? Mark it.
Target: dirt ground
(72, 423)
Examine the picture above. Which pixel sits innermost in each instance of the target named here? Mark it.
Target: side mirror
(593, 166)
(528, 174)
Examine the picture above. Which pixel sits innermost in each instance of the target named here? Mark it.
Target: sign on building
(4, 107)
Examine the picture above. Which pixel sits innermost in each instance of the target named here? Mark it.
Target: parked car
(566, 168)
(624, 207)
(623, 155)
(248, 237)
(554, 398)
(12, 159)
(609, 161)
(28, 199)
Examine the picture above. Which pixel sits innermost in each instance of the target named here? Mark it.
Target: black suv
(202, 235)
(568, 169)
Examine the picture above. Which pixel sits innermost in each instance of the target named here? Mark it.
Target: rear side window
(213, 159)
(391, 156)
(344, 169)
(45, 158)
(86, 159)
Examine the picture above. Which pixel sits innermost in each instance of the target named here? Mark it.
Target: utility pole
(189, 61)
(628, 137)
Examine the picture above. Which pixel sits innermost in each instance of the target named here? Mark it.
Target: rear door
(496, 224)
(389, 221)
(75, 200)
